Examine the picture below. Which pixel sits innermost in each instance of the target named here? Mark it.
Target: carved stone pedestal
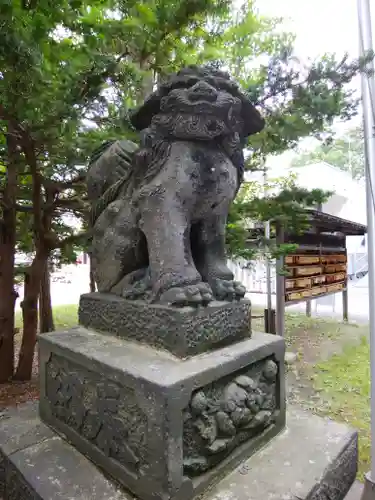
(163, 427)
(313, 459)
(182, 331)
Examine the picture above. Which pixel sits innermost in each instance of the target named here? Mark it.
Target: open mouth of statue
(201, 106)
(202, 97)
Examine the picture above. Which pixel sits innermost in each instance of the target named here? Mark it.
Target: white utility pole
(267, 235)
(368, 103)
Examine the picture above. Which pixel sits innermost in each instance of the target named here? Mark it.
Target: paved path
(358, 301)
(356, 491)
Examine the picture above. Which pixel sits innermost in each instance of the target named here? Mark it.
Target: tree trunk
(8, 295)
(33, 279)
(46, 323)
(92, 279)
(8, 298)
(148, 82)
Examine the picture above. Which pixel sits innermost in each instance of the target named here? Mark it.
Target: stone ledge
(39, 465)
(355, 492)
(314, 459)
(183, 331)
(19, 428)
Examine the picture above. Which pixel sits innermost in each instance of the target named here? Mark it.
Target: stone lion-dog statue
(159, 210)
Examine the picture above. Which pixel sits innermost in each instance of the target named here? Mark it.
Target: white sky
(320, 26)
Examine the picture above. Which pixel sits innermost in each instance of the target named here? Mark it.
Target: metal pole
(267, 235)
(345, 305)
(368, 102)
(308, 308)
(280, 286)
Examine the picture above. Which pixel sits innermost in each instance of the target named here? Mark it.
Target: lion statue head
(215, 101)
(197, 104)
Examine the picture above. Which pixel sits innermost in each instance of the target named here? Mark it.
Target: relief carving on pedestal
(99, 410)
(227, 413)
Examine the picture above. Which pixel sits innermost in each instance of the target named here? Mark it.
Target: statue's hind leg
(118, 247)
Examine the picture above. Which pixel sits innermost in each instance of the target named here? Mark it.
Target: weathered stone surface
(136, 411)
(19, 428)
(159, 213)
(355, 492)
(227, 413)
(182, 331)
(291, 357)
(53, 470)
(363, 491)
(38, 465)
(313, 459)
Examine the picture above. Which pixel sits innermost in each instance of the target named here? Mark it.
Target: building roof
(325, 223)
(333, 224)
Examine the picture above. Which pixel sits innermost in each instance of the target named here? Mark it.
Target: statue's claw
(227, 289)
(189, 295)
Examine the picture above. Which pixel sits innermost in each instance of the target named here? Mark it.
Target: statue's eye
(225, 85)
(178, 85)
(192, 81)
(213, 83)
(212, 126)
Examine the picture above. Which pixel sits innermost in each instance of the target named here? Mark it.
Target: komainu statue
(159, 210)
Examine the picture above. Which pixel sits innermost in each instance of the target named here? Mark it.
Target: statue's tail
(110, 167)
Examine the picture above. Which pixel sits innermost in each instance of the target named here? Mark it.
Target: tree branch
(72, 204)
(24, 208)
(28, 147)
(15, 125)
(73, 239)
(85, 83)
(62, 185)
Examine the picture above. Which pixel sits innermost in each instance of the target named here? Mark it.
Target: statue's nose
(203, 90)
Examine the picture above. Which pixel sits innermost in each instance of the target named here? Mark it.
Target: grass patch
(303, 333)
(344, 382)
(333, 367)
(64, 317)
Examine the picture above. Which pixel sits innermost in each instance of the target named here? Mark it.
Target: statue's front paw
(227, 289)
(187, 295)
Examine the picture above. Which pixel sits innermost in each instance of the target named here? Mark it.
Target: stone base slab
(182, 331)
(163, 427)
(36, 464)
(313, 459)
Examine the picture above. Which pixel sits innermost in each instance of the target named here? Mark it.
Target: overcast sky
(320, 26)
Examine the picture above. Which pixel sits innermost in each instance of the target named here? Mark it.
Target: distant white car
(22, 259)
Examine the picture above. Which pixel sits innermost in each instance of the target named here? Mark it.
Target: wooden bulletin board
(319, 265)
(309, 275)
